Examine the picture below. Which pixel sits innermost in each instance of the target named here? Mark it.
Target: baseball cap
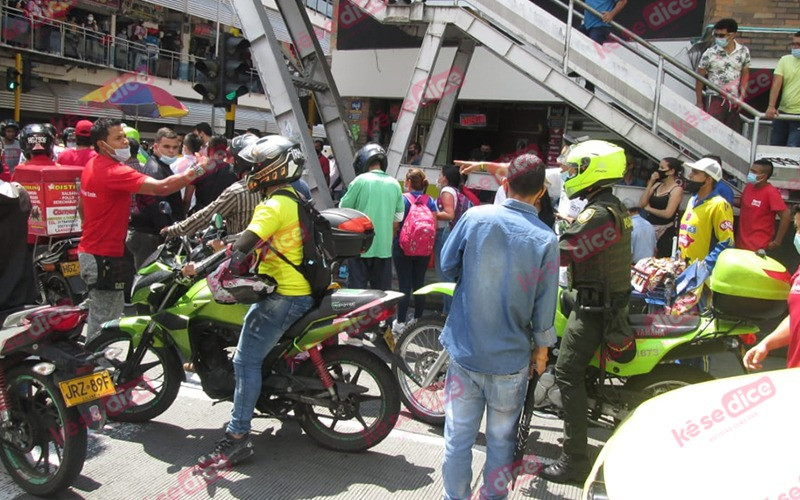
(709, 166)
(83, 128)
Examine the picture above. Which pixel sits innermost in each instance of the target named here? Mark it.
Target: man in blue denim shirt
(505, 261)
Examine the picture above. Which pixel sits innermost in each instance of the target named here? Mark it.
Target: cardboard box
(54, 198)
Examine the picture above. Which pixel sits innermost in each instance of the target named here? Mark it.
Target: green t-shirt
(380, 197)
(789, 69)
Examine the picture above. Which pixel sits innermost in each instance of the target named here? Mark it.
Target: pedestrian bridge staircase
(634, 102)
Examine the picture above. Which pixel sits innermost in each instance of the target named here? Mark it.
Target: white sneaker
(410, 323)
(397, 327)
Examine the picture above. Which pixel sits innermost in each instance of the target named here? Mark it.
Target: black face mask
(694, 186)
(662, 174)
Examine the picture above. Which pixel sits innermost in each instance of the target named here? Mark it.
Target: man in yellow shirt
(274, 227)
(786, 77)
(707, 225)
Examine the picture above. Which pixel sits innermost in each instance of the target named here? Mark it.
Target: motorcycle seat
(662, 325)
(315, 313)
(337, 303)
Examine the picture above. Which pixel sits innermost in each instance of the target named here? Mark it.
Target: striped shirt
(235, 204)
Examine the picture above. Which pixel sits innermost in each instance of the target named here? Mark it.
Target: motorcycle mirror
(165, 208)
(218, 221)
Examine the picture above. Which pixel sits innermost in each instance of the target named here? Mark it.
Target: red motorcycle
(50, 394)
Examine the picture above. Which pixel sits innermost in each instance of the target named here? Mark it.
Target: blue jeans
(264, 324)
(785, 133)
(467, 394)
(441, 237)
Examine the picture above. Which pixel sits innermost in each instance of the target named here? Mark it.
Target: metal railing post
(754, 139)
(657, 93)
(568, 37)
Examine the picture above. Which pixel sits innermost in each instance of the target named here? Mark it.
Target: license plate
(87, 388)
(389, 339)
(70, 268)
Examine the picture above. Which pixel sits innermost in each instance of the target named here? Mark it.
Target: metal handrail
(745, 29)
(16, 24)
(758, 116)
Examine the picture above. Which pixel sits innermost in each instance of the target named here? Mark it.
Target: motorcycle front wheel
(361, 418)
(419, 348)
(150, 388)
(45, 447)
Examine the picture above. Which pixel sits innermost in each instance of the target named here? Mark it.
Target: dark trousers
(599, 34)
(664, 244)
(410, 277)
(723, 110)
(582, 337)
(370, 272)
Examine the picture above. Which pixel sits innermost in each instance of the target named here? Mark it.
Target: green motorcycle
(344, 396)
(745, 287)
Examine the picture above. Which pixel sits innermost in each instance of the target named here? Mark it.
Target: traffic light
(12, 79)
(235, 68)
(27, 72)
(208, 85)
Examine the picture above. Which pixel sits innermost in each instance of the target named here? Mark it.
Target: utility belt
(595, 297)
(112, 273)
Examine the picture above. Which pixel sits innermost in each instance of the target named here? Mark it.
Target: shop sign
(203, 30)
(472, 120)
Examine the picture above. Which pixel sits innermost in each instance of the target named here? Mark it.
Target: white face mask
(123, 154)
(72, 145)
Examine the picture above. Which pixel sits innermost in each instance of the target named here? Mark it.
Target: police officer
(597, 249)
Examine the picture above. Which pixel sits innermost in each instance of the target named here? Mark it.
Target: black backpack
(318, 248)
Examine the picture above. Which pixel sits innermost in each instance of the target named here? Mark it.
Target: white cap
(708, 166)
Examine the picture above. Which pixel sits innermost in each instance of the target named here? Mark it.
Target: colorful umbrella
(136, 99)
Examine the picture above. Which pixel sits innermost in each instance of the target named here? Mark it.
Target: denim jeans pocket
(507, 391)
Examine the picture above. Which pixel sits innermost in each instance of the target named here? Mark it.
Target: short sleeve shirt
(276, 221)
(379, 196)
(725, 70)
(703, 226)
(77, 157)
(757, 216)
(789, 69)
(106, 186)
(793, 354)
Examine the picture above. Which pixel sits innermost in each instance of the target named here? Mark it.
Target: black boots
(567, 469)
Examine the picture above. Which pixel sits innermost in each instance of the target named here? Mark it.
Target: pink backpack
(418, 234)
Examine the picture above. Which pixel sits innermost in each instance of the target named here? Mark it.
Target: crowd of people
(254, 183)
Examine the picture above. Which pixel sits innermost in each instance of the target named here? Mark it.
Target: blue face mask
(169, 160)
(796, 53)
(721, 42)
(797, 242)
(564, 176)
(752, 178)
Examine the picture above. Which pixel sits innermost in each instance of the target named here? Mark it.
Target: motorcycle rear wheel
(368, 417)
(419, 347)
(666, 377)
(49, 432)
(160, 375)
(54, 290)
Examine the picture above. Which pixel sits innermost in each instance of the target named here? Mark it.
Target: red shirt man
(106, 186)
(759, 205)
(83, 152)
